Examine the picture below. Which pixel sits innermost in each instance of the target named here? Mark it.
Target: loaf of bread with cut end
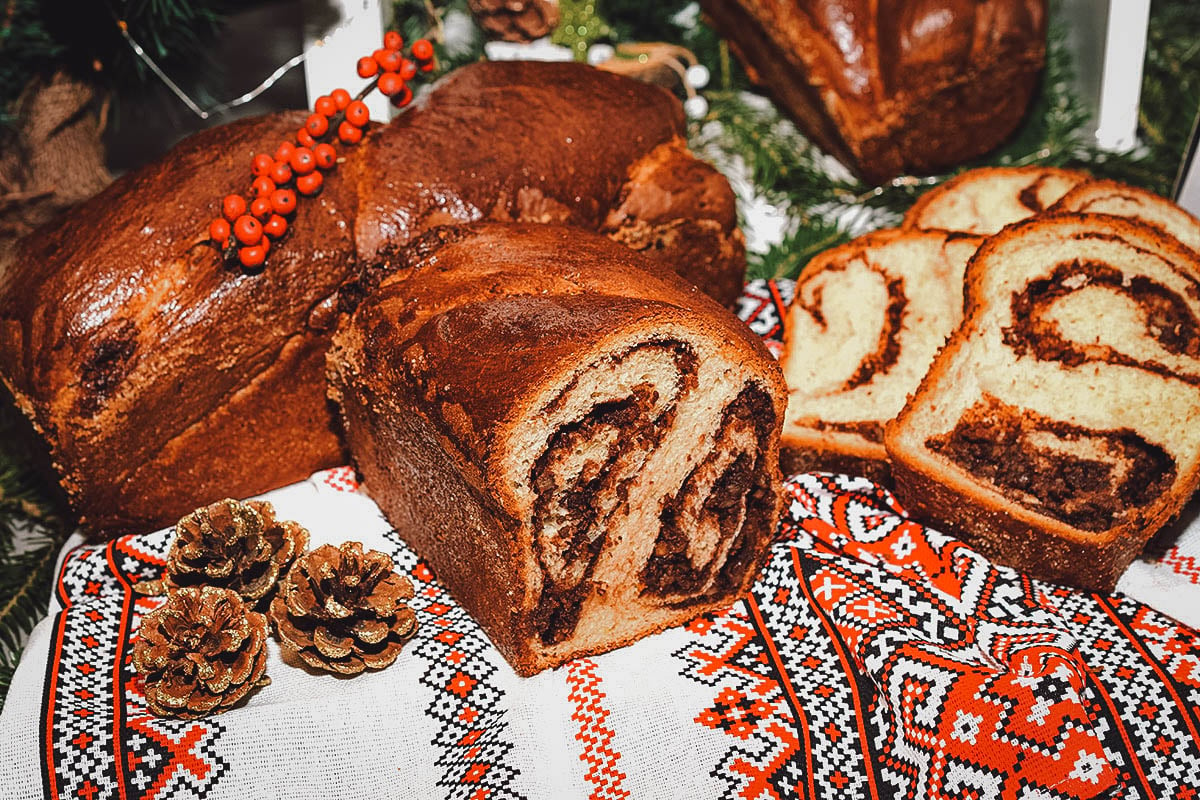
(583, 451)
(1123, 200)
(162, 379)
(864, 324)
(984, 200)
(1060, 426)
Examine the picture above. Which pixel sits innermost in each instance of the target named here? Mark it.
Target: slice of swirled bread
(1060, 426)
(984, 200)
(1123, 200)
(862, 329)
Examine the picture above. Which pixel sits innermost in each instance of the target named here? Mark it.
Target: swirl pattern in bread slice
(1123, 200)
(865, 322)
(982, 201)
(1056, 430)
(583, 451)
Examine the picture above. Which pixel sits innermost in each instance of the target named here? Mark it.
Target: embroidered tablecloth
(873, 658)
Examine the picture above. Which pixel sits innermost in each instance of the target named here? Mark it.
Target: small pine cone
(240, 546)
(516, 20)
(200, 653)
(343, 610)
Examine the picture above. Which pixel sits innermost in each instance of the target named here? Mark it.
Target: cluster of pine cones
(337, 609)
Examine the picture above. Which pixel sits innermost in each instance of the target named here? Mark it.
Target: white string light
(202, 113)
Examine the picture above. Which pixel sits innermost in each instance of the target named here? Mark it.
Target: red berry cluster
(247, 229)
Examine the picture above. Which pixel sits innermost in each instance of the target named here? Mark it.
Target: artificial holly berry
(252, 256)
(325, 106)
(326, 156)
(281, 173)
(262, 164)
(390, 83)
(233, 206)
(262, 186)
(367, 67)
(284, 153)
(309, 184)
(401, 99)
(303, 161)
(350, 134)
(422, 50)
(389, 60)
(275, 226)
(247, 230)
(261, 209)
(317, 124)
(357, 114)
(283, 201)
(219, 231)
(297, 167)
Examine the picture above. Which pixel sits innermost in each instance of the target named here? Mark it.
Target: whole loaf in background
(162, 379)
(892, 86)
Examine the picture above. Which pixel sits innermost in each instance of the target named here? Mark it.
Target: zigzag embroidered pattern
(101, 741)
(587, 699)
(473, 742)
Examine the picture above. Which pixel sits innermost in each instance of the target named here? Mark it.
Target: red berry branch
(245, 231)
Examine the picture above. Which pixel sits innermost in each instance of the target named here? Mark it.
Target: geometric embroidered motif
(472, 741)
(762, 307)
(100, 741)
(587, 698)
(878, 658)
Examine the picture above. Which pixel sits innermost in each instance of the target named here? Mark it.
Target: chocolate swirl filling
(582, 480)
(886, 348)
(1167, 318)
(724, 496)
(1085, 478)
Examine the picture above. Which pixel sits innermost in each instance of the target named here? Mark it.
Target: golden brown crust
(559, 142)
(892, 87)
(1121, 199)
(163, 380)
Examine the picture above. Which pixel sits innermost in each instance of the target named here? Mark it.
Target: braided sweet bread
(161, 380)
(583, 451)
(1057, 429)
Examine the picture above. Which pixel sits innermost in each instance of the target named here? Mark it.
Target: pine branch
(24, 582)
(32, 530)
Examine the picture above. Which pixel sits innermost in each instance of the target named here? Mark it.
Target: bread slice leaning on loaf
(866, 320)
(984, 200)
(583, 451)
(1060, 426)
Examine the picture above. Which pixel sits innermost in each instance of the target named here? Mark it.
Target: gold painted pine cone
(238, 545)
(200, 653)
(342, 610)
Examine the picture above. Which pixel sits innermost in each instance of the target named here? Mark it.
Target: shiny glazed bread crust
(583, 451)
(161, 379)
